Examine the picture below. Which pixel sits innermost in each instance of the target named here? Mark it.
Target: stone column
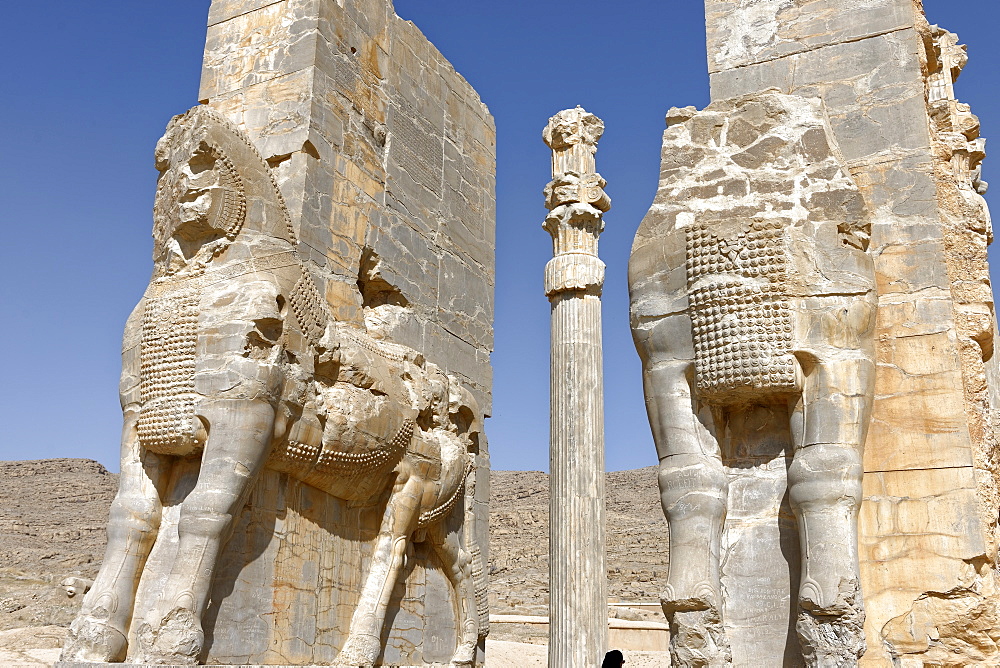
(578, 618)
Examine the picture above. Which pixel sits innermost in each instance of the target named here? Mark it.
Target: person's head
(613, 659)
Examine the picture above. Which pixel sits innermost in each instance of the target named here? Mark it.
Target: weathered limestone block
(305, 477)
(753, 309)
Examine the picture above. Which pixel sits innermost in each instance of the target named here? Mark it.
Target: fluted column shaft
(578, 618)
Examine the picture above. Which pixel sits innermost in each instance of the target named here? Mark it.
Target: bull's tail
(481, 579)
(480, 575)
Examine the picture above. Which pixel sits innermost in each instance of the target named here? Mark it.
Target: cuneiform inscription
(418, 150)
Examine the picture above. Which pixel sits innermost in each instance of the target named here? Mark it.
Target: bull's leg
(99, 631)
(458, 567)
(693, 492)
(239, 437)
(825, 494)
(363, 643)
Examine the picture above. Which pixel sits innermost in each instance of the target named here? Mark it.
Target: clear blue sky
(89, 86)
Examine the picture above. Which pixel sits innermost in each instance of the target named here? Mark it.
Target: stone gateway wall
(305, 477)
(928, 521)
(385, 156)
(752, 302)
(927, 478)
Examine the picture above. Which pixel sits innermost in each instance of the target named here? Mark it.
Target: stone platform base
(622, 633)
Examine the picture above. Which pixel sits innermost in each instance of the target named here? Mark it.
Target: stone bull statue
(232, 356)
(752, 308)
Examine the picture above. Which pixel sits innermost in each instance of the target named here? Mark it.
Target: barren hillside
(52, 517)
(519, 545)
(53, 512)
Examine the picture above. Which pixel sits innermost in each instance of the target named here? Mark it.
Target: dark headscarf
(613, 659)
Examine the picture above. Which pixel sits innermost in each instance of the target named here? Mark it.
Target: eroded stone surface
(385, 157)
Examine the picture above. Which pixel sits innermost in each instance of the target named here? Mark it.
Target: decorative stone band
(386, 455)
(574, 271)
(249, 266)
(437, 513)
(393, 352)
(234, 201)
(320, 460)
(201, 276)
(570, 187)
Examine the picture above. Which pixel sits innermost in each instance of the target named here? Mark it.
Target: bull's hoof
(176, 640)
(91, 640)
(465, 655)
(360, 650)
